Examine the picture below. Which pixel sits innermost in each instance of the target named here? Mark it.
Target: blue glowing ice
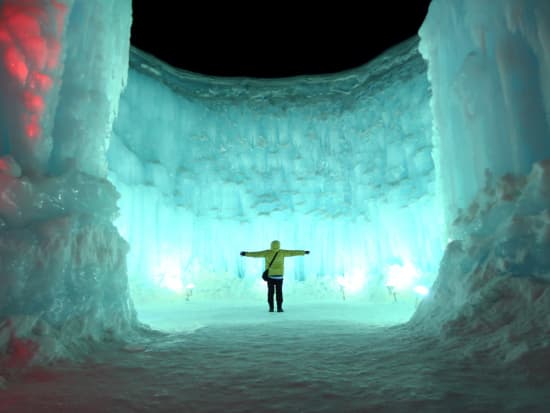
(340, 163)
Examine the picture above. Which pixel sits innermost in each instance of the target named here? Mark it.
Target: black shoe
(280, 310)
(271, 310)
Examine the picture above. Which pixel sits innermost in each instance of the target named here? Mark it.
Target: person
(275, 271)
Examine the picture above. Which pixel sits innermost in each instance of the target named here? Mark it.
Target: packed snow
(328, 357)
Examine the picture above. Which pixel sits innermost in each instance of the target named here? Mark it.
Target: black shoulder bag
(264, 275)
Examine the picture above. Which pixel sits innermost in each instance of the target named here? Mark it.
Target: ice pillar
(63, 65)
(488, 64)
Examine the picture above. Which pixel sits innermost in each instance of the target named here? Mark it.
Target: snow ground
(191, 315)
(337, 357)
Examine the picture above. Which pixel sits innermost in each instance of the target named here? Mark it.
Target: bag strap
(273, 259)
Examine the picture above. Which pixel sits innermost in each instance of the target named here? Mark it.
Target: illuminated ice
(489, 73)
(379, 172)
(369, 169)
(62, 261)
(488, 67)
(338, 163)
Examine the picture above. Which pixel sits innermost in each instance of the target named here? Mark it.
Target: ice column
(489, 69)
(96, 70)
(63, 65)
(488, 66)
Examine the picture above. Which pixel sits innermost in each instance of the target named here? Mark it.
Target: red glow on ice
(33, 129)
(34, 103)
(60, 16)
(40, 81)
(36, 51)
(54, 53)
(4, 36)
(22, 21)
(30, 34)
(19, 351)
(15, 64)
(24, 24)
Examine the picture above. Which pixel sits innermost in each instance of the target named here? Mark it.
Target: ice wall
(63, 277)
(337, 164)
(488, 65)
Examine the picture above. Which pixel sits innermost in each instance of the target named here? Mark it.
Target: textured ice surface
(96, 70)
(489, 75)
(494, 280)
(337, 164)
(340, 165)
(488, 67)
(63, 278)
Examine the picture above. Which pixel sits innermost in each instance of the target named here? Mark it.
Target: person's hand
(243, 253)
(306, 252)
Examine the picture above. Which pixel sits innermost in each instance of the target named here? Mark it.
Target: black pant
(275, 286)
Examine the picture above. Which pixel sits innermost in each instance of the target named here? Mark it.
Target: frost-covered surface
(488, 65)
(493, 289)
(63, 281)
(337, 164)
(312, 358)
(490, 105)
(95, 73)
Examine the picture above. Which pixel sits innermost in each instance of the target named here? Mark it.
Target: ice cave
(419, 182)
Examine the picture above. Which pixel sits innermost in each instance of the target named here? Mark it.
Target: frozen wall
(489, 67)
(63, 277)
(338, 164)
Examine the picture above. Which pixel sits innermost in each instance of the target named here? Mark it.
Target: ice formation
(62, 261)
(117, 170)
(338, 164)
(491, 100)
(488, 66)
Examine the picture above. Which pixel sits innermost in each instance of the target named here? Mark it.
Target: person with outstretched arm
(275, 272)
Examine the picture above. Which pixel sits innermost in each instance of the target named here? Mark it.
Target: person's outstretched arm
(255, 254)
(293, 253)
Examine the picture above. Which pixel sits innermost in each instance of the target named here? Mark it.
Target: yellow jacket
(278, 266)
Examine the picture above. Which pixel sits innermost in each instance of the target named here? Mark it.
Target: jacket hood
(275, 245)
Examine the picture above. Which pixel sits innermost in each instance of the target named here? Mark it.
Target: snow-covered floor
(330, 357)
